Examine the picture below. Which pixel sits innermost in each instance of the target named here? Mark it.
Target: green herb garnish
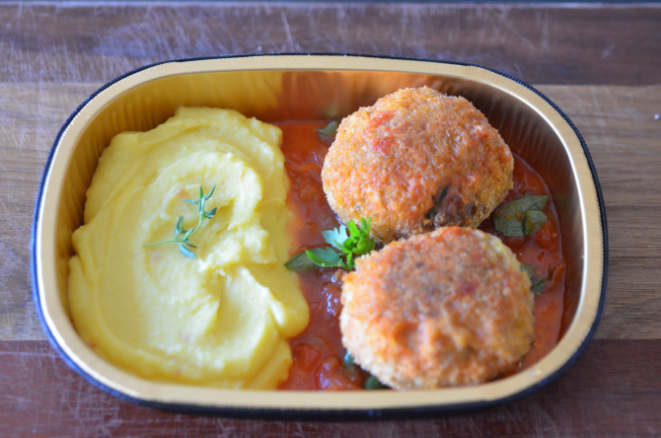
(327, 135)
(533, 220)
(326, 258)
(349, 242)
(357, 243)
(181, 234)
(348, 361)
(521, 217)
(527, 269)
(538, 287)
(538, 284)
(373, 383)
(301, 263)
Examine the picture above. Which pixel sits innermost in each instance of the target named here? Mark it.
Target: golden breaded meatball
(447, 308)
(414, 161)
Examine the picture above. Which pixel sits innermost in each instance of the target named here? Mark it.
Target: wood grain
(601, 64)
(30, 117)
(549, 44)
(42, 397)
(623, 133)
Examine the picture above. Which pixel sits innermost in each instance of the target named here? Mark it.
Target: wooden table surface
(600, 64)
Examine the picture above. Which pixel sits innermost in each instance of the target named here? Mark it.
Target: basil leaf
(509, 225)
(325, 257)
(533, 220)
(538, 287)
(327, 135)
(301, 263)
(372, 383)
(529, 202)
(509, 219)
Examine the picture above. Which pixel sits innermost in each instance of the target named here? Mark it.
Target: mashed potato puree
(222, 319)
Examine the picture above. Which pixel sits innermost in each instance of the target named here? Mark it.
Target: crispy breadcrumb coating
(414, 161)
(447, 308)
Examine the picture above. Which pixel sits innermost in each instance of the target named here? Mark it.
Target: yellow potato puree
(221, 319)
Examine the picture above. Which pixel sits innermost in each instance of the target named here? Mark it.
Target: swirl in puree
(222, 318)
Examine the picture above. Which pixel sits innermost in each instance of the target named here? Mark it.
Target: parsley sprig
(346, 244)
(181, 234)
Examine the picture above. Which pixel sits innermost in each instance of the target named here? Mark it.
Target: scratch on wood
(292, 45)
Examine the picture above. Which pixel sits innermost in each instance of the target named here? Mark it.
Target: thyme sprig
(181, 234)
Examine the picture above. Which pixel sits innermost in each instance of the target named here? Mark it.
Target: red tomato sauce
(318, 351)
